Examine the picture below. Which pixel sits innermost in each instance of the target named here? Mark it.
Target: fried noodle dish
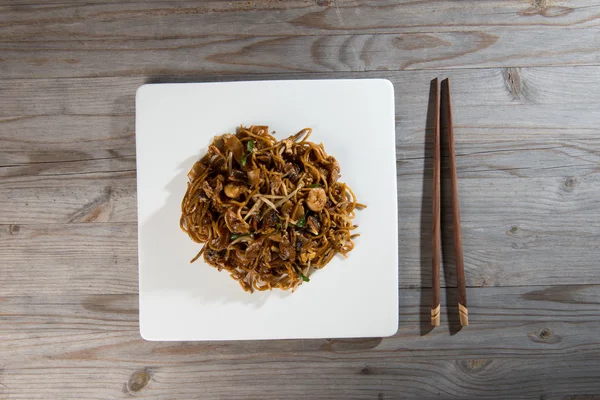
(269, 212)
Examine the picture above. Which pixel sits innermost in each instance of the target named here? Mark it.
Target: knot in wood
(366, 370)
(569, 184)
(546, 336)
(545, 333)
(474, 365)
(512, 80)
(138, 380)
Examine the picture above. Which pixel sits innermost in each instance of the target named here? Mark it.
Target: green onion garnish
(301, 275)
(301, 222)
(304, 278)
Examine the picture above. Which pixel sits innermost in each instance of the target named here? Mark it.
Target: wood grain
(56, 344)
(436, 235)
(526, 96)
(294, 16)
(71, 258)
(448, 124)
(527, 158)
(259, 55)
(162, 38)
(508, 240)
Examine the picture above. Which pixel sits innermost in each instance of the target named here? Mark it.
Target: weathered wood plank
(111, 323)
(50, 100)
(528, 162)
(298, 16)
(31, 109)
(284, 54)
(56, 136)
(60, 342)
(76, 258)
(528, 144)
(565, 175)
(83, 166)
(518, 185)
(28, 20)
(109, 102)
(304, 377)
(508, 240)
(71, 198)
(150, 39)
(339, 377)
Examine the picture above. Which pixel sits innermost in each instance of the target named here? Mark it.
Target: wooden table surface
(526, 97)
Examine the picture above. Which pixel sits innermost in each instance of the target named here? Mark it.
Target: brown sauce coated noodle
(268, 212)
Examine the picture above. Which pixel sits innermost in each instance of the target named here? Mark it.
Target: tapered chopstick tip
(463, 313)
(435, 316)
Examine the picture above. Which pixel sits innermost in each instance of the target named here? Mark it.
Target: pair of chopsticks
(437, 239)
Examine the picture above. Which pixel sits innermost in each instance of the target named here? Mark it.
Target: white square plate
(353, 297)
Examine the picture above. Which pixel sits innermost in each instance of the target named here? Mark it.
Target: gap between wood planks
(233, 76)
(80, 173)
(70, 161)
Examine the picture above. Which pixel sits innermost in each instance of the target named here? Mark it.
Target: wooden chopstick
(435, 217)
(458, 250)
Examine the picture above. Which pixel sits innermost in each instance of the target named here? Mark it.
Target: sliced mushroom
(298, 213)
(338, 191)
(276, 183)
(267, 253)
(212, 190)
(313, 225)
(218, 186)
(219, 143)
(264, 158)
(254, 176)
(235, 223)
(221, 241)
(214, 151)
(235, 146)
(286, 249)
(316, 199)
(197, 170)
(233, 190)
(237, 176)
(270, 220)
(334, 170)
(288, 145)
(254, 223)
(307, 253)
(301, 241)
(208, 190)
(292, 171)
(286, 208)
(254, 249)
(275, 238)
